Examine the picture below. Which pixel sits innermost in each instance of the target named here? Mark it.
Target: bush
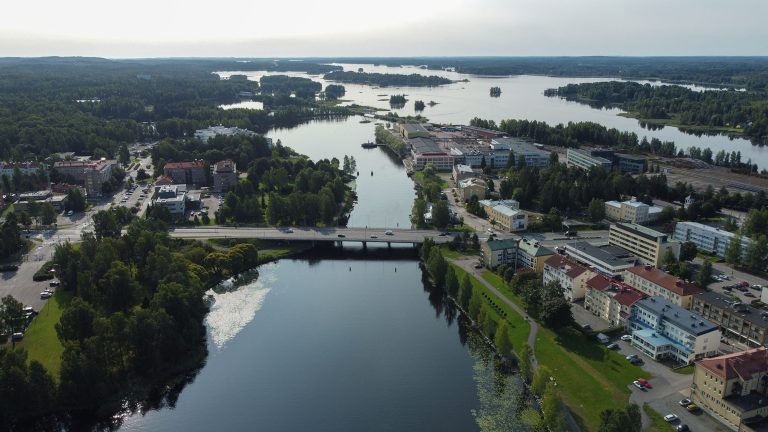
(44, 273)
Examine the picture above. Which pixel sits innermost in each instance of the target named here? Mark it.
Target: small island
(379, 79)
(495, 91)
(419, 105)
(397, 101)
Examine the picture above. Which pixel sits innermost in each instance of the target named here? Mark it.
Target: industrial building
(425, 151)
(533, 156)
(587, 159)
(413, 130)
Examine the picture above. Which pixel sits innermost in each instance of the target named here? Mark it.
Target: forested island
(384, 80)
(711, 110)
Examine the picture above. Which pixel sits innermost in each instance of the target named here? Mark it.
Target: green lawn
(40, 339)
(659, 425)
(685, 370)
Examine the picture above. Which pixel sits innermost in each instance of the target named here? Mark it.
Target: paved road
(313, 234)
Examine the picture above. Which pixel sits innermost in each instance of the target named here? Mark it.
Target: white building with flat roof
(172, 198)
(708, 239)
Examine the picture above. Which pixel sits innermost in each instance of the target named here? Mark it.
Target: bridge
(333, 234)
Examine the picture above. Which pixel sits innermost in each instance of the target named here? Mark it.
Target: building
(655, 282)
(708, 239)
(632, 211)
(461, 172)
(738, 321)
(163, 180)
(472, 187)
(632, 164)
(647, 244)
(189, 172)
(206, 134)
(506, 214)
(173, 198)
(8, 169)
(587, 159)
(482, 132)
(224, 175)
(733, 388)
(609, 260)
(532, 255)
(571, 276)
(412, 130)
(610, 299)
(662, 330)
(533, 156)
(92, 174)
(498, 252)
(475, 156)
(424, 151)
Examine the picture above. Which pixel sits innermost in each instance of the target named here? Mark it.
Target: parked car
(17, 336)
(631, 356)
(692, 407)
(636, 361)
(682, 428)
(685, 402)
(671, 418)
(638, 385)
(757, 287)
(626, 338)
(645, 383)
(46, 295)
(748, 294)
(54, 283)
(388, 232)
(613, 346)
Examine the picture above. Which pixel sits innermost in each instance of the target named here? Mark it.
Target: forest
(726, 110)
(383, 80)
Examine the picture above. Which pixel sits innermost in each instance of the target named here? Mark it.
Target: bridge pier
(365, 245)
(389, 245)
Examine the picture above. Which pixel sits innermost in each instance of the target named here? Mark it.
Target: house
(738, 321)
(647, 244)
(662, 330)
(532, 255)
(571, 276)
(610, 299)
(472, 187)
(607, 259)
(224, 175)
(656, 282)
(498, 252)
(188, 172)
(733, 388)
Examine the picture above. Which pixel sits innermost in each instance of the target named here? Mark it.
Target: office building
(655, 282)
(173, 198)
(498, 252)
(662, 330)
(632, 164)
(647, 244)
(586, 159)
(708, 239)
(610, 299)
(533, 156)
(738, 321)
(608, 259)
(571, 276)
(733, 388)
(632, 211)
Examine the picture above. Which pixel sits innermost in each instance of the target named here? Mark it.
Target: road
(313, 234)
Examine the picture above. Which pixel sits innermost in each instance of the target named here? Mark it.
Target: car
(612, 346)
(374, 236)
(669, 418)
(645, 383)
(17, 336)
(626, 338)
(748, 294)
(631, 356)
(389, 232)
(757, 287)
(45, 295)
(685, 402)
(54, 283)
(341, 236)
(289, 230)
(636, 361)
(638, 385)
(682, 428)
(692, 408)
(70, 213)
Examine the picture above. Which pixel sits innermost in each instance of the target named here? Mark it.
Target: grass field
(659, 425)
(40, 339)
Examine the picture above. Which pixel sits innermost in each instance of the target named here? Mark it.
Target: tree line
(383, 80)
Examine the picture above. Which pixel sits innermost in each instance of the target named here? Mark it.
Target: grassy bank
(657, 421)
(40, 339)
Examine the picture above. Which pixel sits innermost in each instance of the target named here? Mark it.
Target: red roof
(625, 294)
(600, 283)
(742, 364)
(628, 296)
(665, 280)
(561, 262)
(186, 164)
(163, 180)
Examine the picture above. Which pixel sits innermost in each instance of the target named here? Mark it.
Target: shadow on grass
(577, 343)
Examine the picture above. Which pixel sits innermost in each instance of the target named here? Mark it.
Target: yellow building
(733, 388)
(472, 187)
(647, 244)
(654, 282)
(532, 255)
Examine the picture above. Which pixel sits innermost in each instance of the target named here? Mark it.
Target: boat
(368, 144)
(365, 121)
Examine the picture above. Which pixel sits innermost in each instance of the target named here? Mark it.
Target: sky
(301, 28)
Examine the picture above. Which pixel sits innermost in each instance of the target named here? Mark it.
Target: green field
(659, 425)
(40, 339)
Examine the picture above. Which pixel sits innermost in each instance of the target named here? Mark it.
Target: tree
(757, 254)
(440, 214)
(105, 224)
(11, 315)
(475, 303)
(437, 266)
(47, 214)
(688, 251)
(465, 292)
(621, 420)
(76, 322)
(75, 200)
(552, 407)
(503, 344)
(555, 308)
(524, 364)
(705, 274)
(540, 379)
(733, 251)
(124, 156)
(596, 210)
(669, 259)
(451, 282)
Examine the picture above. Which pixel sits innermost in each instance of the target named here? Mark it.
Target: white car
(626, 338)
(638, 385)
(669, 418)
(389, 232)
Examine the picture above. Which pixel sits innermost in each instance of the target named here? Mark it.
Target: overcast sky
(286, 28)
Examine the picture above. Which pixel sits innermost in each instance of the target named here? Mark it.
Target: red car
(645, 383)
(745, 284)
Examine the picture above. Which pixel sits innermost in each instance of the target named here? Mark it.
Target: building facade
(610, 299)
(472, 187)
(188, 172)
(738, 321)
(506, 215)
(733, 388)
(609, 260)
(647, 244)
(224, 175)
(533, 156)
(8, 169)
(662, 330)
(586, 159)
(655, 282)
(425, 151)
(708, 239)
(632, 164)
(571, 276)
(532, 255)
(92, 174)
(498, 252)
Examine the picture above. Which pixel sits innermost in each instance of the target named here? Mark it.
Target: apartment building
(738, 321)
(610, 299)
(662, 330)
(655, 282)
(92, 174)
(25, 168)
(532, 255)
(707, 238)
(188, 172)
(224, 175)
(472, 187)
(571, 276)
(506, 215)
(733, 388)
(498, 252)
(647, 244)
(609, 260)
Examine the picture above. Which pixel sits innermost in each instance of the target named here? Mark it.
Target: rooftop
(472, 182)
(742, 364)
(225, 166)
(665, 280)
(464, 169)
(561, 262)
(414, 127)
(588, 154)
(534, 249)
(199, 163)
(621, 292)
(646, 232)
(682, 318)
(495, 245)
(424, 146)
(735, 307)
(609, 254)
(701, 226)
(163, 180)
(638, 158)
